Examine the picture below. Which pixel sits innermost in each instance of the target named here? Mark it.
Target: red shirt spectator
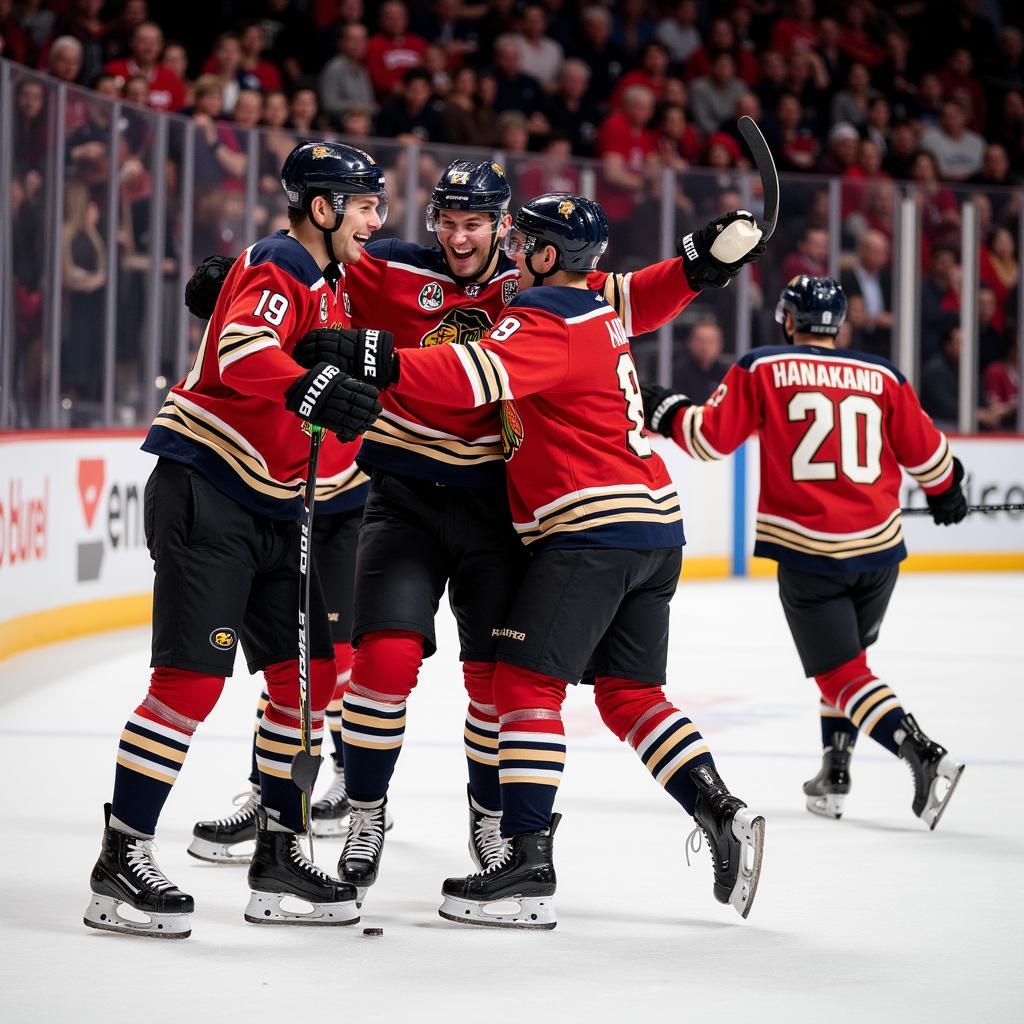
(253, 40)
(391, 52)
(652, 73)
(722, 38)
(16, 44)
(854, 40)
(811, 256)
(957, 78)
(796, 32)
(626, 145)
(166, 90)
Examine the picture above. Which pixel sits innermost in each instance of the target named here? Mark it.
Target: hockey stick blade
(917, 511)
(766, 168)
(305, 768)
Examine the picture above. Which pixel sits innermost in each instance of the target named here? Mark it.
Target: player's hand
(713, 256)
(950, 506)
(328, 397)
(205, 284)
(365, 354)
(661, 406)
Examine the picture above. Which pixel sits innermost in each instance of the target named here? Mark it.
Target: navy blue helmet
(470, 186)
(817, 304)
(574, 225)
(334, 170)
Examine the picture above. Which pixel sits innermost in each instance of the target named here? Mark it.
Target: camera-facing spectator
(571, 111)
(678, 31)
(721, 38)
(701, 367)
(940, 213)
(117, 40)
(83, 22)
(958, 151)
(870, 278)
(275, 110)
(226, 63)
(393, 50)
(259, 73)
(811, 256)
(843, 149)
(516, 90)
(596, 48)
(166, 90)
(854, 38)
(679, 143)
(940, 299)
(853, 102)
(713, 97)
(652, 72)
(793, 141)
(999, 270)
(627, 148)
(1000, 382)
(513, 132)
(248, 112)
(303, 110)
(552, 171)
(65, 59)
(993, 337)
(539, 55)
(632, 29)
(797, 31)
(345, 81)
(958, 79)
(415, 115)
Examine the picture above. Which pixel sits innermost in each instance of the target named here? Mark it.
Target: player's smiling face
(361, 219)
(466, 238)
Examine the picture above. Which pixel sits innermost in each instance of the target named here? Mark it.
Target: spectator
(105, 85)
(486, 112)
(275, 110)
(83, 22)
(344, 81)
(553, 171)
(701, 367)
(226, 63)
(852, 103)
(218, 151)
(854, 39)
(721, 38)
(15, 43)
(723, 151)
(679, 144)
(65, 60)
(652, 72)
(415, 115)
(539, 55)
(1001, 387)
(895, 76)
(393, 50)
(435, 63)
(901, 151)
(678, 31)
(632, 28)
(1006, 69)
(1000, 271)
(30, 131)
(302, 112)
(1009, 129)
(357, 123)
(798, 31)
(445, 26)
(879, 123)
(175, 59)
(570, 111)
(856, 179)
(513, 132)
(117, 41)
(940, 382)
(136, 90)
(869, 277)
(829, 51)
(808, 80)
(958, 79)
(958, 151)
(940, 212)
(811, 256)
(288, 35)
(927, 107)
(461, 126)
(843, 149)
(993, 340)
(166, 90)
(605, 58)
(627, 148)
(516, 91)
(794, 143)
(248, 112)
(771, 86)
(258, 72)
(939, 299)
(713, 98)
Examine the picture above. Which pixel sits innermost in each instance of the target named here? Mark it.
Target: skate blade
(828, 805)
(934, 811)
(748, 828)
(266, 908)
(104, 914)
(531, 912)
(221, 853)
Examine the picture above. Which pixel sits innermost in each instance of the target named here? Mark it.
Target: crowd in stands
(922, 91)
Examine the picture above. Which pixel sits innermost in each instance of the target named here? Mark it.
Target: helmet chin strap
(539, 277)
(332, 275)
(461, 279)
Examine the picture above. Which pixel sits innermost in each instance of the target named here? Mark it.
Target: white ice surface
(870, 918)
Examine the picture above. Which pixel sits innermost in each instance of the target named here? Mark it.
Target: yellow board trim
(65, 623)
(706, 567)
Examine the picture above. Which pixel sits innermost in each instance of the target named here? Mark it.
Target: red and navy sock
(261, 707)
(833, 721)
(343, 663)
(865, 700)
(481, 735)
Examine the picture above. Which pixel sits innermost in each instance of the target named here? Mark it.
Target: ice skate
(220, 841)
(360, 859)
(280, 871)
(936, 773)
(127, 875)
(516, 891)
(826, 792)
(735, 836)
(330, 812)
(486, 845)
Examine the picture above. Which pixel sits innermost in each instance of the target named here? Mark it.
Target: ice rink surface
(869, 918)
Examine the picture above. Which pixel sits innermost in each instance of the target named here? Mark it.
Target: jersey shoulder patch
(283, 251)
(565, 303)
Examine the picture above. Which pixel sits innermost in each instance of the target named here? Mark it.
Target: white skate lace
(140, 859)
(693, 842)
(248, 801)
(365, 834)
(488, 841)
(304, 863)
(336, 791)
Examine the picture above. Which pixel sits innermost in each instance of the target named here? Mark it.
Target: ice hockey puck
(373, 931)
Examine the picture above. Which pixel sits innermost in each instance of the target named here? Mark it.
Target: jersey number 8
(854, 410)
(636, 437)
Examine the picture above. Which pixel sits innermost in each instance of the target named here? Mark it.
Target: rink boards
(73, 557)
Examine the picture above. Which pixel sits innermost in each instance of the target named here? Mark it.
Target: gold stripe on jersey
(328, 488)
(485, 372)
(616, 294)
(788, 534)
(602, 506)
(693, 434)
(934, 468)
(203, 428)
(238, 341)
(398, 433)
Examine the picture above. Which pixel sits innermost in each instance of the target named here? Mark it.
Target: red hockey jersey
(834, 426)
(408, 290)
(227, 417)
(580, 468)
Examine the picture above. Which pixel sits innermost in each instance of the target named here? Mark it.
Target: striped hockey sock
(150, 754)
(372, 732)
(531, 757)
(278, 740)
(833, 721)
(261, 707)
(874, 709)
(481, 741)
(670, 746)
(333, 719)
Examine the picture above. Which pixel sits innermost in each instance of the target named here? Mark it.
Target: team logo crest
(432, 296)
(348, 304)
(459, 327)
(511, 429)
(498, 169)
(323, 308)
(508, 290)
(458, 178)
(565, 208)
(223, 638)
(320, 152)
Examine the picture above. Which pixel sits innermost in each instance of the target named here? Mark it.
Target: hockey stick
(766, 168)
(304, 765)
(970, 508)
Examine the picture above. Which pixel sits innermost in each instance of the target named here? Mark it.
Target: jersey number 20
(856, 412)
(636, 437)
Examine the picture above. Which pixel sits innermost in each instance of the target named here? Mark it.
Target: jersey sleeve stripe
(238, 341)
(694, 439)
(936, 467)
(839, 538)
(616, 293)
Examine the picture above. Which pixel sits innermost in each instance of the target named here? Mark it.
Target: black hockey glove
(205, 284)
(661, 406)
(950, 506)
(328, 397)
(713, 256)
(366, 355)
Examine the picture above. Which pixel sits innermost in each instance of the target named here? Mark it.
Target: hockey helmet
(817, 305)
(576, 226)
(334, 170)
(470, 186)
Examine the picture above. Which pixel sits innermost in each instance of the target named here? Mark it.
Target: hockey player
(221, 524)
(600, 517)
(834, 426)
